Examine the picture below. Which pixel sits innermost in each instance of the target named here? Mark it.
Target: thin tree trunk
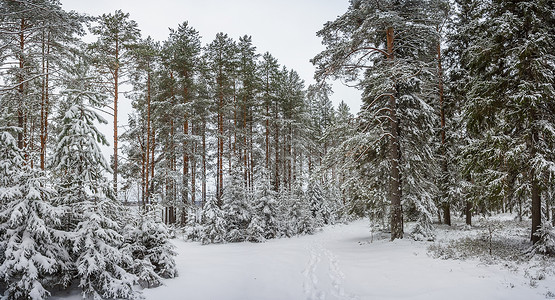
(152, 164)
(536, 209)
(203, 161)
(116, 92)
(267, 140)
(395, 176)
(148, 134)
(220, 183)
(468, 213)
(43, 107)
(444, 170)
(536, 196)
(185, 179)
(251, 151)
(21, 88)
(276, 140)
(194, 132)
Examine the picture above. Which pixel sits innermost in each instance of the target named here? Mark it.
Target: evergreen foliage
(213, 222)
(33, 257)
(236, 208)
(147, 240)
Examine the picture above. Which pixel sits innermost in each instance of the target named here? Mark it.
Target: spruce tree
(510, 111)
(213, 223)
(32, 253)
(96, 247)
(265, 208)
(236, 206)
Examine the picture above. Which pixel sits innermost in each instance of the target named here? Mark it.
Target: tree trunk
(148, 134)
(116, 70)
(194, 132)
(468, 213)
(185, 179)
(21, 88)
(444, 176)
(220, 183)
(536, 210)
(203, 161)
(276, 140)
(536, 196)
(395, 176)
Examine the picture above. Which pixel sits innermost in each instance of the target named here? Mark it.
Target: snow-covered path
(340, 263)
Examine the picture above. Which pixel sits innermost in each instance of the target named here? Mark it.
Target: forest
(224, 144)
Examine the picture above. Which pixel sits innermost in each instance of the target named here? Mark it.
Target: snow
(340, 262)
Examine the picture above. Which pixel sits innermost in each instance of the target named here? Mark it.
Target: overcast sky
(285, 28)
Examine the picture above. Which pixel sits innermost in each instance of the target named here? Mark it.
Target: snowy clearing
(339, 262)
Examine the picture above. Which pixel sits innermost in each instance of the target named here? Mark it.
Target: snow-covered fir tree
(32, 253)
(509, 112)
(237, 210)
(265, 210)
(255, 231)
(317, 203)
(213, 223)
(299, 215)
(147, 239)
(102, 266)
(193, 228)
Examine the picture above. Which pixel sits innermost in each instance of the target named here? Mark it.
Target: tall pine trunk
(536, 197)
(444, 176)
(148, 161)
(395, 176)
(21, 88)
(115, 169)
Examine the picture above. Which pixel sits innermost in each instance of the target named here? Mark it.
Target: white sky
(285, 28)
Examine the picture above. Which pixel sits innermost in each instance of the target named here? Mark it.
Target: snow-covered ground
(339, 262)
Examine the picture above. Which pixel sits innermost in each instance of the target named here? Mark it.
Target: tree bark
(203, 161)
(116, 70)
(395, 176)
(148, 134)
(185, 179)
(444, 175)
(536, 210)
(21, 88)
(468, 213)
(536, 197)
(220, 183)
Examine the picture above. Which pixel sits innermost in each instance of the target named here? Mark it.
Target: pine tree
(37, 40)
(221, 59)
(110, 53)
(387, 50)
(139, 138)
(182, 54)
